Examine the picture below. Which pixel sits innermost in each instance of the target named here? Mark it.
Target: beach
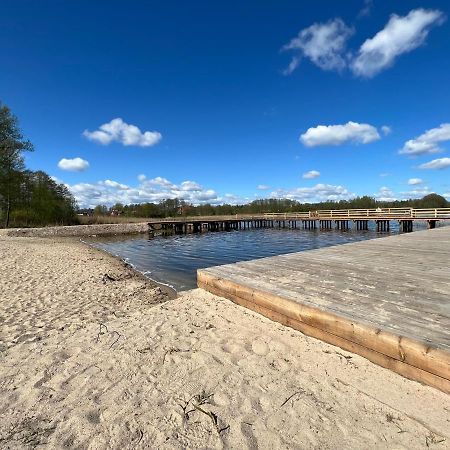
(94, 355)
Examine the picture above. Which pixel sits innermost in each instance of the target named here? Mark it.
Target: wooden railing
(385, 213)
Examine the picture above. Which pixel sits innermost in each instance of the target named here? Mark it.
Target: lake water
(174, 260)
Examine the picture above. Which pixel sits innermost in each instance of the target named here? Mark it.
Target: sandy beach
(95, 356)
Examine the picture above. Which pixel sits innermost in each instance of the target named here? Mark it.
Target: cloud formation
(311, 174)
(418, 192)
(428, 142)
(385, 194)
(415, 181)
(262, 187)
(119, 131)
(400, 35)
(325, 44)
(440, 163)
(351, 132)
(322, 43)
(73, 164)
(317, 193)
(109, 192)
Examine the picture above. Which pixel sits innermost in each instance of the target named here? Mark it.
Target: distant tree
(433, 201)
(12, 145)
(100, 210)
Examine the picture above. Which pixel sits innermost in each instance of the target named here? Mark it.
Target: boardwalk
(341, 219)
(385, 299)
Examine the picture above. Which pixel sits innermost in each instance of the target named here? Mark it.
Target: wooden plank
(398, 366)
(398, 320)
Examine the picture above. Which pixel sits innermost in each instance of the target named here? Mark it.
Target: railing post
(435, 212)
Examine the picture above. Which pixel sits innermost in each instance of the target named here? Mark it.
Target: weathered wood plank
(386, 299)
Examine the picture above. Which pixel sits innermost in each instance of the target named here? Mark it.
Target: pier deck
(386, 299)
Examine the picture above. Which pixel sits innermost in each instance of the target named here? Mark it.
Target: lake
(173, 260)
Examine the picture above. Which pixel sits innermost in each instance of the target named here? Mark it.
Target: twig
(293, 395)
(144, 350)
(107, 277)
(173, 350)
(101, 332)
(102, 325)
(118, 337)
(433, 439)
(347, 358)
(141, 435)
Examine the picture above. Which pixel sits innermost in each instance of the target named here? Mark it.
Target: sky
(227, 102)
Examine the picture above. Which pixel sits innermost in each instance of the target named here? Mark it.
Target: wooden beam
(405, 356)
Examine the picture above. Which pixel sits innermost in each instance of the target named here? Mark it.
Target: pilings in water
(382, 225)
(406, 225)
(326, 224)
(178, 226)
(342, 224)
(309, 224)
(361, 224)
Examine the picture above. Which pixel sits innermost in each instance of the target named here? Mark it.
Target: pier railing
(382, 213)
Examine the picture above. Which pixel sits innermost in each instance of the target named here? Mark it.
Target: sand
(94, 356)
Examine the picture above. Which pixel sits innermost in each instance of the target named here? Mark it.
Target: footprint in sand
(260, 348)
(221, 399)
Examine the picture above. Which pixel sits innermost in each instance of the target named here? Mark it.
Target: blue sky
(231, 101)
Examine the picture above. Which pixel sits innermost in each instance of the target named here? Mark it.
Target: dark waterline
(174, 260)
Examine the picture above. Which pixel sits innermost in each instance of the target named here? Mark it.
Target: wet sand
(93, 355)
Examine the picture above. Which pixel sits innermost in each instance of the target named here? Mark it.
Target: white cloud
(322, 43)
(416, 193)
(161, 181)
(73, 165)
(317, 193)
(400, 35)
(109, 192)
(141, 177)
(384, 174)
(386, 130)
(440, 163)
(190, 186)
(262, 187)
(428, 142)
(119, 131)
(295, 62)
(415, 181)
(357, 133)
(114, 184)
(311, 174)
(385, 194)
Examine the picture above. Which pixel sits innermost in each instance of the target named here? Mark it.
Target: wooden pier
(341, 219)
(386, 299)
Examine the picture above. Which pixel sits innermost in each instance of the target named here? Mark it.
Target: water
(174, 260)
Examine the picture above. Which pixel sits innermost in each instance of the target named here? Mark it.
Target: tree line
(176, 207)
(28, 198)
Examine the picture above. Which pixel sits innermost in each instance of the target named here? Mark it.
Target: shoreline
(78, 230)
(92, 362)
(170, 290)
